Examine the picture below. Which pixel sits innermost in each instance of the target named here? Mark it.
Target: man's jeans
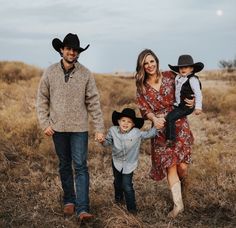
(123, 185)
(177, 113)
(73, 147)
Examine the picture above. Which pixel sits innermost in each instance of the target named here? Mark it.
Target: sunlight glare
(219, 12)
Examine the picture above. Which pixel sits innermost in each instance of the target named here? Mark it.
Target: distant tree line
(229, 65)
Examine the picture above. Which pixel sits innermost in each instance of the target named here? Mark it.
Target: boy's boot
(177, 198)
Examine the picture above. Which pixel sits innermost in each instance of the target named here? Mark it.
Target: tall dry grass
(30, 192)
(16, 71)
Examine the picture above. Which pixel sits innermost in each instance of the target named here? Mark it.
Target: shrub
(228, 65)
(14, 71)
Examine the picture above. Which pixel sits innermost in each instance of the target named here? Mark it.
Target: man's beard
(70, 61)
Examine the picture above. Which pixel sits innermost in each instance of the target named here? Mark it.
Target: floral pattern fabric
(161, 102)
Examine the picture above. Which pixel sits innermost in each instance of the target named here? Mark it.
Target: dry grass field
(30, 192)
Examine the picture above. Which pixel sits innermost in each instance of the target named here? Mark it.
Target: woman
(155, 98)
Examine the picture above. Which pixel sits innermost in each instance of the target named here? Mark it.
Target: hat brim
(57, 45)
(138, 122)
(196, 67)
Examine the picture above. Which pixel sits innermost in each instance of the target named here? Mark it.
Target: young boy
(187, 85)
(125, 138)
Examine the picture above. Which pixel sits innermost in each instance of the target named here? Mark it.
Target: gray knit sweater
(65, 105)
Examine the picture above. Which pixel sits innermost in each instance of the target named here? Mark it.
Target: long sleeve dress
(161, 102)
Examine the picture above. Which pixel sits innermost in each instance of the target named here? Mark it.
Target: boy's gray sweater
(65, 105)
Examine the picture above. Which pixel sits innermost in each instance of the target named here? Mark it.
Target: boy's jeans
(177, 113)
(123, 185)
(73, 147)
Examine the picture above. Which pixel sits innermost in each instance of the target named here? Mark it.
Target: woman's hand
(190, 102)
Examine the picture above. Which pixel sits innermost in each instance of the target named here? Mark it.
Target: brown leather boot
(85, 216)
(69, 209)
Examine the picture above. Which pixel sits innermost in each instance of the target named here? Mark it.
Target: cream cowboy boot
(177, 198)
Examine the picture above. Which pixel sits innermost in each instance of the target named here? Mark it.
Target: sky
(118, 31)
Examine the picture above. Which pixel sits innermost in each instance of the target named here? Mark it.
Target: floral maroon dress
(161, 102)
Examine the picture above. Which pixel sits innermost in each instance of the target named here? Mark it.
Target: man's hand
(99, 137)
(49, 131)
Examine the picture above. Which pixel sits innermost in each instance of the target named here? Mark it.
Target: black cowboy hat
(187, 60)
(71, 41)
(127, 112)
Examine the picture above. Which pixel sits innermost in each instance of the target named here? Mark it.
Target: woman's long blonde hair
(141, 75)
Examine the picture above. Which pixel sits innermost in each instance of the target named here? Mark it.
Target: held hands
(158, 122)
(99, 137)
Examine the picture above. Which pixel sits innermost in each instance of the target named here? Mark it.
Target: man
(67, 93)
